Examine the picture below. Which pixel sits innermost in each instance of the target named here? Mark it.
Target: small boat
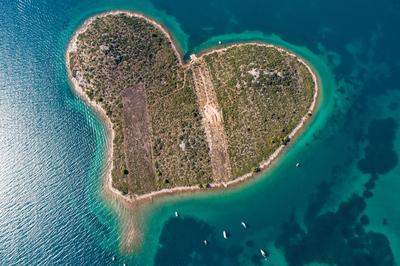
(297, 165)
(244, 225)
(219, 42)
(124, 264)
(205, 242)
(113, 258)
(263, 253)
(225, 234)
(176, 214)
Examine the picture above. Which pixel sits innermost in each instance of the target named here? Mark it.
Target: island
(177, 125)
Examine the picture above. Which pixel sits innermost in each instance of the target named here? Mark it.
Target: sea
(340, 207)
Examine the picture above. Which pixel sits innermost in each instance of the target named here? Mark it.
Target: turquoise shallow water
(340, 208)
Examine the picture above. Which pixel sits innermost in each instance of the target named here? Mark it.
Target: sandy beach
(132, 202)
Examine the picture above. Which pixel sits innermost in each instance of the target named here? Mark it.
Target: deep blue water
(340, 208)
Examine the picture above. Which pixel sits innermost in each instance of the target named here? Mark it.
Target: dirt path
(212, 121)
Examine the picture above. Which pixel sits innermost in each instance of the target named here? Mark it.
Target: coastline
(133, 202)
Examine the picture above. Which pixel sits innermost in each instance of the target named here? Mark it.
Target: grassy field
(185, 125)
(263, 93)
(118, 56)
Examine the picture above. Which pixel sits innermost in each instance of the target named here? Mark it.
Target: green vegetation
(263, 94)
(115, 55)
(128, 66)
(255, 169)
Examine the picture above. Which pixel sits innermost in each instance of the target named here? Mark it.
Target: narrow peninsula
(178, 126)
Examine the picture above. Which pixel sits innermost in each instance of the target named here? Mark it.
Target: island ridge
(211, 122)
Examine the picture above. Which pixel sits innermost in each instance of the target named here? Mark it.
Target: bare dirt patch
(212, 122)
(137, 139)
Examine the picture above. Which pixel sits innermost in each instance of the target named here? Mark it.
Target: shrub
(255, 169)
(285, 140)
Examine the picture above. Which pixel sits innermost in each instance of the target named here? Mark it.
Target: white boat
(176, 214)
(263, 253)
(219, 42)
(244, 225)
(113, 258)
(225, 234)
(297, 165)
(205, 242)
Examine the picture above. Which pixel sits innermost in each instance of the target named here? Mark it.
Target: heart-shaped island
(208, 123)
